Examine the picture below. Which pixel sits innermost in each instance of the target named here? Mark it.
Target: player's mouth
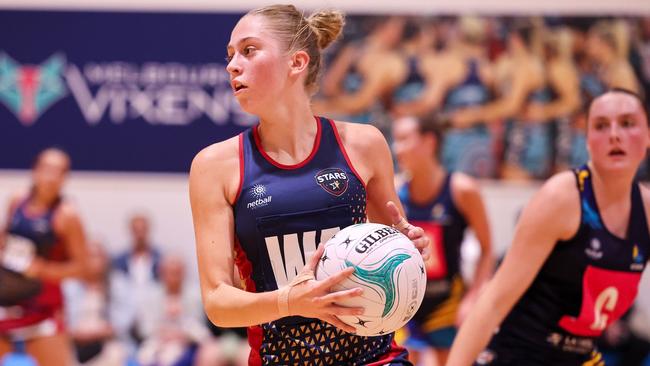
(616, 152)
(237, 86)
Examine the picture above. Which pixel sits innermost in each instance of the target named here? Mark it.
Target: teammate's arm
(553, 214)
(564, 78)
(466, 194)
(333, 78)
(436, 85)
(376, 80)
(68, 227)
(211, 197)
(504, 107)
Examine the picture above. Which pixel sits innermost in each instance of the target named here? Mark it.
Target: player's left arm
(367, 146)
(467, 197)
(69, 228)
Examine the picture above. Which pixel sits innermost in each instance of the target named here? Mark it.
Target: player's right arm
(553, 214)
(212, 194)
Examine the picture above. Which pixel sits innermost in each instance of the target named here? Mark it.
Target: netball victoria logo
(29, 90)
(260, 198)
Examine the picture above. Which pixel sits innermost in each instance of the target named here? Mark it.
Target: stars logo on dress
(333, 180)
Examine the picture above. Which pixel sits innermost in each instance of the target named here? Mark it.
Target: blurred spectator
(88, 313)
(173, 328)
(134, 277)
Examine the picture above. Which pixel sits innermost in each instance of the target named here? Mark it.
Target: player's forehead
(250, 27)
(615, 104)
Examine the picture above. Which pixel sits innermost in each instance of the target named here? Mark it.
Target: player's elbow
(216, 307)
(215, 311)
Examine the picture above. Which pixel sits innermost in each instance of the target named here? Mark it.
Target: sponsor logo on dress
(259, 196)
(637, 259)
(594, 251)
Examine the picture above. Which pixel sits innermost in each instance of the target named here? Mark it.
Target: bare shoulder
(562, 188)
(366, 148)
(66, 215)
(462, 184)
(209, 165)
(359, 137)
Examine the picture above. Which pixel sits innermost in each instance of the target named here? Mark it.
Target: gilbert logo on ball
(388, 268)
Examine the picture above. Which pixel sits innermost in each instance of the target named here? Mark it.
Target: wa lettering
(287, 269)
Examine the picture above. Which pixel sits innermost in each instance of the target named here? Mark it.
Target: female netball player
(444, 204)
(42, 244)
(578, 253)
(295, 181)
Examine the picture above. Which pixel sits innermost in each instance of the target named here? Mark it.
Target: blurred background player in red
(42, 244)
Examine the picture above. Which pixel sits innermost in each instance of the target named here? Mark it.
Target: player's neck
(611, 187)
(287, 134)
(426, 181)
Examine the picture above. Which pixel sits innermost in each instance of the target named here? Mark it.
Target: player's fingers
(341, 295)
(414, 232)
(336, 278)
(313, 260)
(393, 211)
(421, 242)
(426, 254)
(332, 319)
(343, 310)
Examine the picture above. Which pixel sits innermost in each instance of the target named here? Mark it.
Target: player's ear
(299, 62)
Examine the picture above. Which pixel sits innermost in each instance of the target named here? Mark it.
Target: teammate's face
(258, 65)
(617, 132)
(409, 145)
(50, 172)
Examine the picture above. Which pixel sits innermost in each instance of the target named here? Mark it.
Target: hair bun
(327, 25)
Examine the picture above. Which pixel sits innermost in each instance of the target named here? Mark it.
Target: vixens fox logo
(29, 90)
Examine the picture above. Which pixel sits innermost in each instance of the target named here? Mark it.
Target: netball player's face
(409, 145)
(617, 132)
(50, 172)
(258, 65)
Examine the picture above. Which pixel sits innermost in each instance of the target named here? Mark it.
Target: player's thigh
(53, 350)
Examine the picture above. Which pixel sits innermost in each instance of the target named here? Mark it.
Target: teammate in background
(460, 79)
(42, 244)
(564, 82)
(444, 204)
(577, 257)
(363, 74)
(520, 81)
(418, 54)
(301, 178)
(608, 45)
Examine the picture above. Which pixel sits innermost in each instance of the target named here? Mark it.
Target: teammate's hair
(311, 34)
(435, 124)
(53, 149)
(638, 97)
(472, 29)
(605, 31)
(524, 30)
